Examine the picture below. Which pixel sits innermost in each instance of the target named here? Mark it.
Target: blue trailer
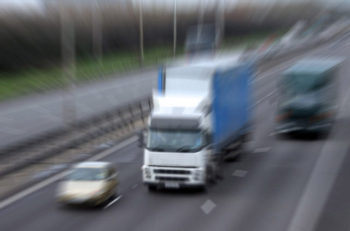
(232, 105)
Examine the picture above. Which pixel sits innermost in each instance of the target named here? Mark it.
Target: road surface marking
(287, 63)
(323, 177)
(264, 98)
(208, 206)
(240, 173)
(134, 186)
(275, 70)
(319, 187)
(58, 176)
(262, 150)
(114, 149)
(32, 189)
(113, 201)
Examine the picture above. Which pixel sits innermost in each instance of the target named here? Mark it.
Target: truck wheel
(247, 138)
(233, 157)
(152, 188)
(210, 176)
(204, 188)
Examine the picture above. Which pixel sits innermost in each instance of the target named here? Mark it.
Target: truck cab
(177, 144)
(308, 92)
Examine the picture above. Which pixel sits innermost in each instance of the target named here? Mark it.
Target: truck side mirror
(142, 135)
(210, 146)
(140, 140)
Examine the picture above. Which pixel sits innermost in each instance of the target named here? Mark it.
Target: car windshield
(174, 140)
(87, 174)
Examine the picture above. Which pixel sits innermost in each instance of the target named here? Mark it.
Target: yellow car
(90, 183)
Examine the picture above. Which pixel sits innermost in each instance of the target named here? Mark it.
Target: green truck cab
(308, 94)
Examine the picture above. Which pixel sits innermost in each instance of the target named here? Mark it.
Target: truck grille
(164, 178)
(171, 171)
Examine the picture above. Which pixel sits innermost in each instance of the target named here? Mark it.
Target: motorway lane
(41, 206)
(270, 182)
(336, 213)
(263, 199)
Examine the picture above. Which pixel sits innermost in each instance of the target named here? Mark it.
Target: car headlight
(60, 191)
(98, 192)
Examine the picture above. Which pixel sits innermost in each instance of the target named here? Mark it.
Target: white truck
(201, 113)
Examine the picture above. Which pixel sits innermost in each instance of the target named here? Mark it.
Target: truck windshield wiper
(184, 149)
(157, 149)
(160, 148)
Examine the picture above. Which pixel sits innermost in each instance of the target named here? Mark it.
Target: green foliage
(36, 80)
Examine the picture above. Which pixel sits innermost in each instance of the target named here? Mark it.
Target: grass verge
(87, 69)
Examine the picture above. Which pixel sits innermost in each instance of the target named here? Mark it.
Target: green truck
(308, 94)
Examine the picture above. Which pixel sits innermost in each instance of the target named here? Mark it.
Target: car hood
(80, 188)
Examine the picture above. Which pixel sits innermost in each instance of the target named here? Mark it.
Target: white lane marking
(114, 149)
(240, 173)
(320, 184)
(343, 104)
(324, 174)
(113, 202)
(32, 189)
(54, 178)
(264, 98)
(134, 186)
(262, 150)
(208, 206)
(286, 64)
(275, 70)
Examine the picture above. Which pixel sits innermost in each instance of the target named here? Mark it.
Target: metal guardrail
(42, 148)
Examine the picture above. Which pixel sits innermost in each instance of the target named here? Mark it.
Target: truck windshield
(174, 140)
(303, 84)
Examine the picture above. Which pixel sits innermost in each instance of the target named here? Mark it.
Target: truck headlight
(147, 172)
(197, 174)
(321, 116)
(282, 116)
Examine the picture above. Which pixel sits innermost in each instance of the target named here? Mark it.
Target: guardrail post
(123, 123)
(141, 111)
(131, 119)
(149, 104)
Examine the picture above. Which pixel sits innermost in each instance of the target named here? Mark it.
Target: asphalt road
(268, 189)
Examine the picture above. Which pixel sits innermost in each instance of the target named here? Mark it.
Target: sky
(21, 5)
(37, 4)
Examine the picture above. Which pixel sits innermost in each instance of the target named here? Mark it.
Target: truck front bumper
(173, 177)
(289, 127)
